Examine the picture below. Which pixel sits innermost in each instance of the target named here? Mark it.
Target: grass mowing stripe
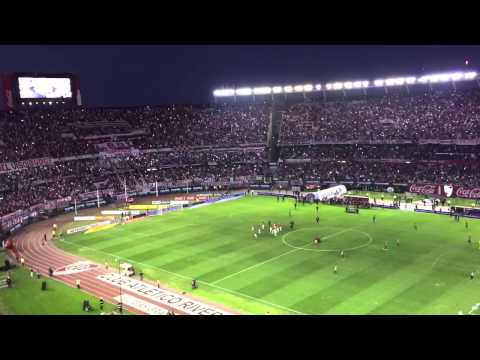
(275, 257)
(189, 278)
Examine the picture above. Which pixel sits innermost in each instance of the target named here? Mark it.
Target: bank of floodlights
(348, 85)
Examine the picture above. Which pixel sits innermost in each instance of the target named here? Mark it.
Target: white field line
(189, 278)
(272, 259)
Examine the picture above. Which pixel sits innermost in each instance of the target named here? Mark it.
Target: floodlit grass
(26, 297)
(288, 274)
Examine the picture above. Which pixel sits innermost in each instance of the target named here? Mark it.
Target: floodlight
(365, 83)
(470, 75)
(298, 88)
(262, 90)
(318, 87)
(410, 80)
(243, 91)
(277, 89)
(347, 85)
(224, 92)
(288, 89)
(457, 76)
(329, 86)
(338, 86)
(307, 87)
(379, 82)
(390, 82)
(357, 84)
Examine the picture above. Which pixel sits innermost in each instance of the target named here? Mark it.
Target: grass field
(26, 298)
(426, 274)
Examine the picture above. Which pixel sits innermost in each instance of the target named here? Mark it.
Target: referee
(101, 303)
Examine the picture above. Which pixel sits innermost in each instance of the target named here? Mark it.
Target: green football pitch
(426, 272)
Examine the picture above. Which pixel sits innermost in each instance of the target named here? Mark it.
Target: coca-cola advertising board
(445, 190)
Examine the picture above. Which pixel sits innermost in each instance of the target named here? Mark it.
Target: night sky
(158, 74)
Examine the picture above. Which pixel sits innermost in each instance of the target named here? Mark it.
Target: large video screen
(44, 88)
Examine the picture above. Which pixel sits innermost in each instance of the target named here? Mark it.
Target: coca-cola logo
(468, 193)
(423, 189)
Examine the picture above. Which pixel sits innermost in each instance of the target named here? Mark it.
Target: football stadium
(352, 196)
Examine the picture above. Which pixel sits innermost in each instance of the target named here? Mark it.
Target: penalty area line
(265, 302)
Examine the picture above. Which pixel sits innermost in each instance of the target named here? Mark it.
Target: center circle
(346, 240)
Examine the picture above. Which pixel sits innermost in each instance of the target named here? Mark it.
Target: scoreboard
(33, 90)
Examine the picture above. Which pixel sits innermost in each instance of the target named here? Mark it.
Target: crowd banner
(25, 164)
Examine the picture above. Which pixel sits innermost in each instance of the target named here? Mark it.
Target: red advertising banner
(445, 190)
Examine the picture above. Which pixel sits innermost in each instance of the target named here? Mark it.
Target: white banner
(84, 218)
(25, 164)
(139, 304)
(121, 212)
(86, 227)
(179, 202)
(162, 296)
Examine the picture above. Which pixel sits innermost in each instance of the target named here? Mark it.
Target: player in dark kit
(469, 239)
(466, 224)
(415, 226)
(295, 205)
(291, 225)
(317, 208)
(194, 284)
(374, 218)
(317, 219)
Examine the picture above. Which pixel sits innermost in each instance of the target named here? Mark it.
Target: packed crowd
(22, 189)
(459, 172)
(431, 115)
(68, 132)
(220, 134)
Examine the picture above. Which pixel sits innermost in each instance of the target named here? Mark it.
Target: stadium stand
(397, 138)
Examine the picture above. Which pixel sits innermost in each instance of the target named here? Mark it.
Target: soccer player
(342, 254)
(469, 239)
(317, 219)
(269, 223)
(253, 228)
(317, 209)
(374, 218)
(472, 275)
(335, 269)
(466, 224)
(415, 226)
(255, 235)
(385, 246)
(295, 205)
(263, 226)
(291, 225)
(398, 242)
